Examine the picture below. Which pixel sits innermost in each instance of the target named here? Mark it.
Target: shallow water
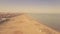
(51, 20)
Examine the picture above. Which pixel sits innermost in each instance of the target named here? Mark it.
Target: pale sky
(30, 6)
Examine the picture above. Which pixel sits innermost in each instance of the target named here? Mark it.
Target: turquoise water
(51, 20)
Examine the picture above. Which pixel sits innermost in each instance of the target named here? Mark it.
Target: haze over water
(51, 20)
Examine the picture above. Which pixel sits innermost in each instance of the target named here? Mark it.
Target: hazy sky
(31, 6)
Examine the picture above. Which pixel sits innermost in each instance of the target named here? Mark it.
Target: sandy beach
(23, 24)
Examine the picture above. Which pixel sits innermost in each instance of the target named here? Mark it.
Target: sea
(51, 20)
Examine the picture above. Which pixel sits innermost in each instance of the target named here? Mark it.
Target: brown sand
(23, 24)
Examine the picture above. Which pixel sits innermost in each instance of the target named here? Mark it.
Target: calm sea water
(51, 20)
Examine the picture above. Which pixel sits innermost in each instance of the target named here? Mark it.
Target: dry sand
(24, 24)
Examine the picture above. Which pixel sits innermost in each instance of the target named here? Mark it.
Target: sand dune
(24, 24)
